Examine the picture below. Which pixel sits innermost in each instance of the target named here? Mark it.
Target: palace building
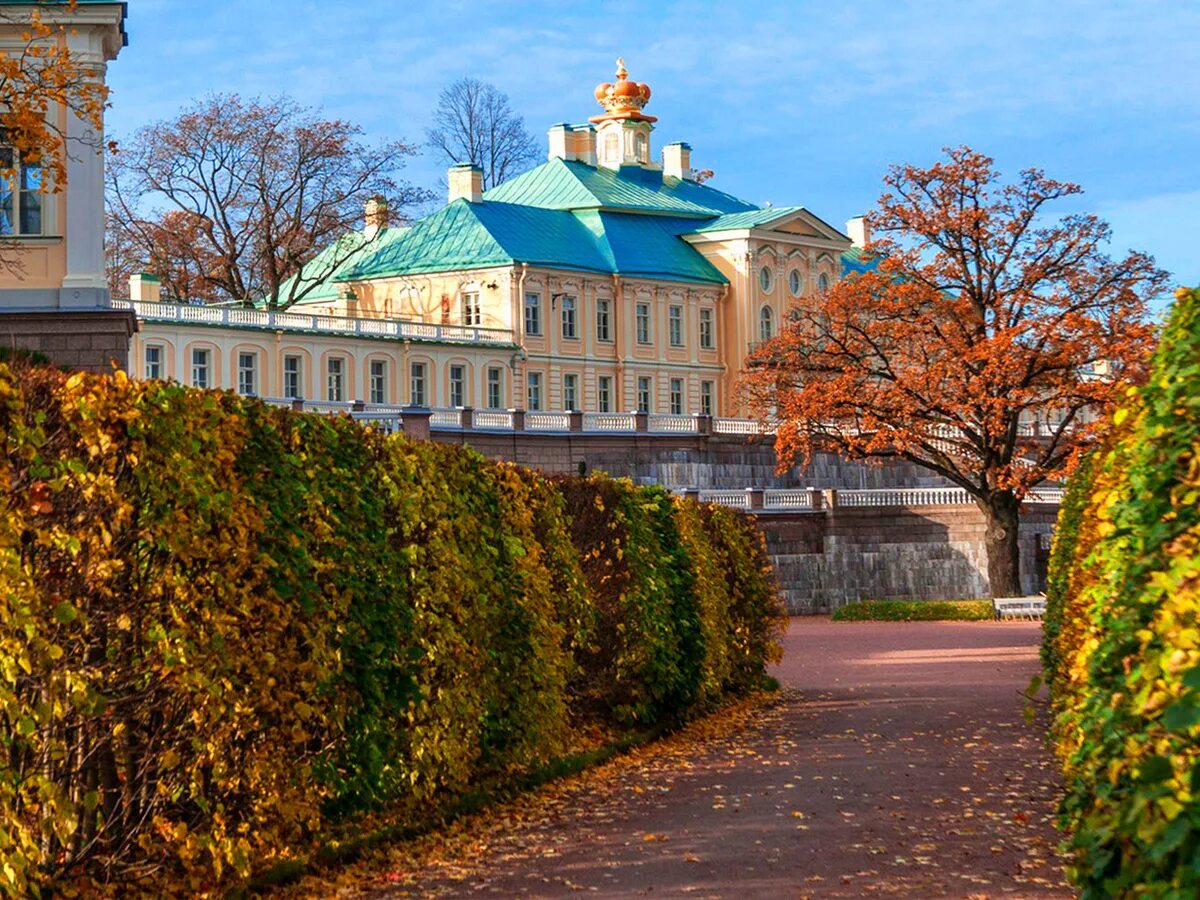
(606, 279)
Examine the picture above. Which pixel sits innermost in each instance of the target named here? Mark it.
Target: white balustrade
(388, 423)
(291, 320)
(445, 418)
(742, 426)
(672, 424)
(493, 419)
(905, 497)
(1046, 495)
(735, 499)
(609, 422)
(547, 421)
(788, 499)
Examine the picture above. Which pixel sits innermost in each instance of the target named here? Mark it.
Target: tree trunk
(1003, 553)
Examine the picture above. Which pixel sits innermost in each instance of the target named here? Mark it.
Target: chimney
(376, 216)
(466, 182)
(585, 143)
(561, 142)
(145, 288)
(859, 231)
(677, 161)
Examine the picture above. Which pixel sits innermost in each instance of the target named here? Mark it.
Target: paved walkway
(896, 762)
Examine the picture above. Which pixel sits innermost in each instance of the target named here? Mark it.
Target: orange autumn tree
(39, 79)
(982, 315)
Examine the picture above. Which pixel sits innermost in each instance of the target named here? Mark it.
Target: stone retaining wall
(91, 340)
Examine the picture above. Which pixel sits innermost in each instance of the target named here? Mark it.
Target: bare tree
(474, 123)
(255, 189)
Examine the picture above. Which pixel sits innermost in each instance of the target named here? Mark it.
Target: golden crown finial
(623, 100)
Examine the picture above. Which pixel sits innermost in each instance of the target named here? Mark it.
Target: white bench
(1019, 607)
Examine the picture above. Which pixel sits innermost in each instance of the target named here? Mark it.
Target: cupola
(623, 131)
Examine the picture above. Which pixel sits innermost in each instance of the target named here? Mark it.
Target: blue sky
(796, 103)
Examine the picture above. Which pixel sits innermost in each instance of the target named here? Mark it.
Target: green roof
(559, 184)
(748, 219)
(467, 235)
(324, 268)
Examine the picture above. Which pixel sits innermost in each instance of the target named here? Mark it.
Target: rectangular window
(20, 196)
(533, 314)
(471, 313)
(291, 378)
(154, 363)
(378, 381)
(675, 325)
(706, 329)
(248, 374)
(533, 389)
(706, 398)
(603, 321)
(570, 392)
(201, 362)
(643, 323)
(335, 379)
(458, 386)
(568, 318)
(604, 393)
(643, 394)
(495, 388)
(416, 385)
(677, 396)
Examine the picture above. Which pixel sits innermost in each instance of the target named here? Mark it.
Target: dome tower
(623, 131)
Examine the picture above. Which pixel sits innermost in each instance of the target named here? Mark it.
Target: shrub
(1125, 662)
(225, 626)
(915, 611)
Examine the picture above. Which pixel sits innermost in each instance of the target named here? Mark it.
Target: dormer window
(612, 147)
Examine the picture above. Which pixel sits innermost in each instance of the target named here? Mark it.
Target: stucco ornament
(623, 99)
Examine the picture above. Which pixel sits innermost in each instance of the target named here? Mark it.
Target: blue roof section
(855, 262)
(747, 219)
(651, 247)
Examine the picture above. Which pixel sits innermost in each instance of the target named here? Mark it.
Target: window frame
(14, 191)
(795, 275)
(675, 325)
(533, 313)
(298, 374)
(766, 323)
(471, 310)
(604, 321)
(604, 401)
(457, 387)
(641, 314)
(251, 370)
(707, 404)
(676, 396)
(766, 279)
(339, 383)
(160, 349)
(533, 391)
(495, 383)
(570, 387)
(206, 367)
(570, 319)
(707, 329)
(418, 384)
(377, 381)
(645, 393)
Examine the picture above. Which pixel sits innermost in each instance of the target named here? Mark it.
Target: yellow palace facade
(605, 280)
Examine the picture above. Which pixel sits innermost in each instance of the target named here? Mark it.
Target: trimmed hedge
(225, 627)
(1123, 652)
(915, 611)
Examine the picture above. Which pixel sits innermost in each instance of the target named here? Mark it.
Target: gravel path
(896, 762)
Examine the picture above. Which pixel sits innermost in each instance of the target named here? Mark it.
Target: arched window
(766, 324)
(823, 283)
(795, 282)
(641, 148)
(766, 279)
(612, 146)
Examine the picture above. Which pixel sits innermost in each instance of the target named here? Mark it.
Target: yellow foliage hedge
(225, 626)
(1123, 649)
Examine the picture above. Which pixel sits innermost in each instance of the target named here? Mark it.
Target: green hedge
(225, 627)
(914, 611)
(1124, 650)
